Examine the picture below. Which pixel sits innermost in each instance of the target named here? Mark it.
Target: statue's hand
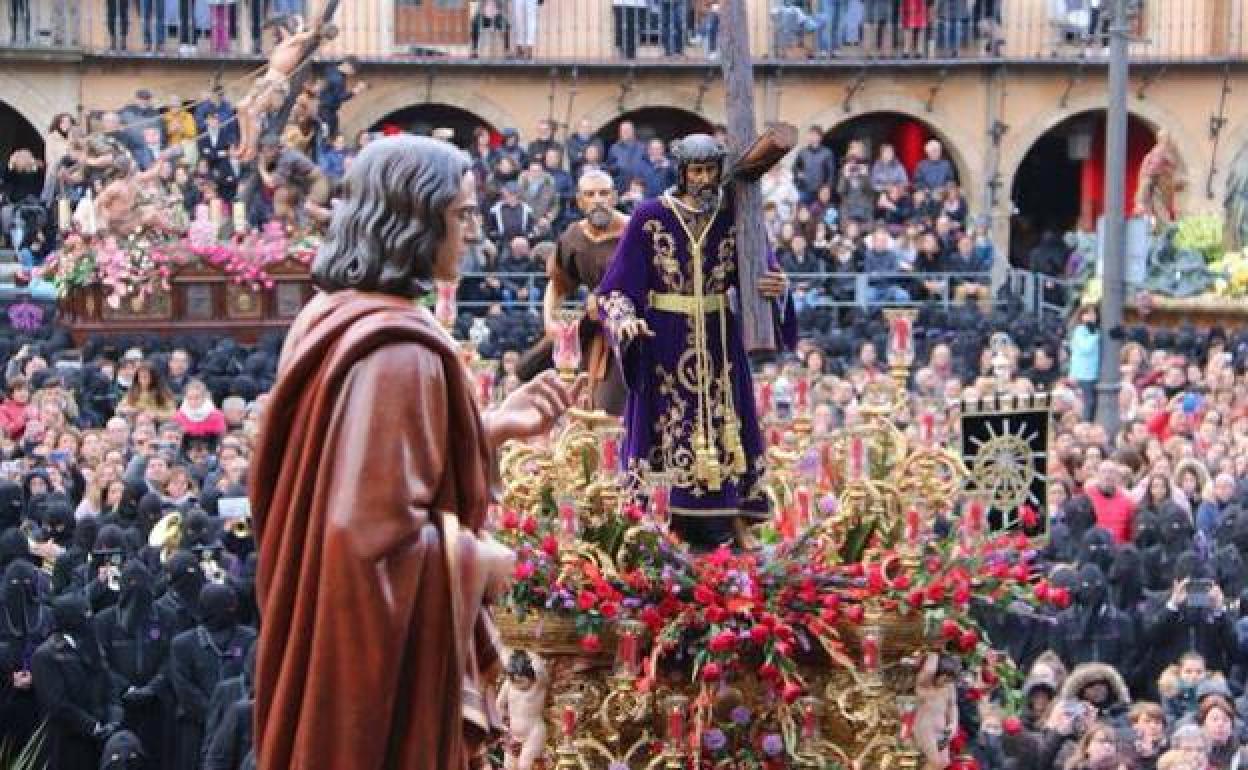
(631, 329)
(773, 285)
(533, 408)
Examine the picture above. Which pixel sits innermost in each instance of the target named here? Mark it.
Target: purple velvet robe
(662, 407)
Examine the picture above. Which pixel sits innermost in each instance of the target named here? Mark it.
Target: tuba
(240, 527)
(167, 535)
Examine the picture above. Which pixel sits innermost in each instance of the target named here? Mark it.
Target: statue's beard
(705, 196)
(600, 217)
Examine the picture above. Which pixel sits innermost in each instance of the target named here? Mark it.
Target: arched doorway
(905, 133)
(1060, 184)
(17, 133)
(422, 119)
(666, 123)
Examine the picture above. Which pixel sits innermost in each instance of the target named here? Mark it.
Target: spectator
(490, 15)
(858, 197)
(544, 141)
(337, 91)
(887, 171)
(578, 144)
(510, 217)
(537, 191)
(626, 158)
(524, 23)
(658, 173)
(1085, 358)
(198, 416)
(934, 172)
(815, 165)
(879, 258)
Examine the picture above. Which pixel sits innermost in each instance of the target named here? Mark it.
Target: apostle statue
(581, 258)
(1159, 183)
(371, 482)
(670, 303)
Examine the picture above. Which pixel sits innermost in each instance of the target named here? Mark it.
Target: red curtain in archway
(1140, 138)
(908, 139)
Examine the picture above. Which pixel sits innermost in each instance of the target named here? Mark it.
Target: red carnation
(791, 692)
(933, 564)
(854, 613)
(999, 571)
(1012, 725)
(586, 601)
(760, 634)
(1020, 573)
(634, 512)
(652, 618)
(968, 640)
(989, 676)
(610, 610)
(831, 615)
(550, 546)
(831, 601)
(1028, 516)
(855, 570)
(875, 579)
(950, 630)
(901, 582)
(716, 614)
(959, 742)
(723, 641)
(704, 595)
(591, 643)
(962, 595)
(524, 570)
(711, 672)
(1042, 591)
(936, 593)
(768, 672)
(529, 525)
(510, 519)
(915, 599)
(784, 649)
(1060, 597)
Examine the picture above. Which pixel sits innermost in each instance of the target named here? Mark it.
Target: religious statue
(670, 302)
(936, 716)
(581, 259)
(522, 703)
(1159, 183)
(370, 486)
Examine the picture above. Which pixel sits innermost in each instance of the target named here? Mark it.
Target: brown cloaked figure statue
(1160, 182)
(370, 488)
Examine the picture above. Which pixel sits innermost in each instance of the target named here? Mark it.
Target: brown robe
(371, 655)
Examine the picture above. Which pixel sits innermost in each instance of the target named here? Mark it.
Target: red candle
(912, 526)
(659, 500)
(871, 651)
(901, 336)
(610, 454)
(676, 725)
(927, 428)
(567, 516)
(764, 399)
(803, 507)
(803, 394)
(809, 722)
(569, 721)
(857, 458)
(627, 651)
(485, 387)
(444, 309)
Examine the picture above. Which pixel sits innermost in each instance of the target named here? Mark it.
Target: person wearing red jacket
(1113, 507)
(13, 410)
(198, 416)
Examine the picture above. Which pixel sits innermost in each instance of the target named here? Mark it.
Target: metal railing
(1043, 294)
(656, 31)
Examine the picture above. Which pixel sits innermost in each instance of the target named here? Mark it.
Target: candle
(901, 336)
(912, 526)
(803, 394)
(659, 502)
(485, 386)
(568, 721)
(89, 225)
(803, 507)
(610, 454)
(764, 399)
(857, 458)
(927, 428)
(567, 339)
(628, 650)
(444, 307)
(907, 705)
(810, 719)
(568, 520)
(240, 217)
(871, 650)
(676, 720)
(215, 211)
(62, 214)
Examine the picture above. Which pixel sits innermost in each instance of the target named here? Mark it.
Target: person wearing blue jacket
(1085, 357)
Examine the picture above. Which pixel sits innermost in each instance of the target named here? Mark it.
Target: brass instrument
(113, 578)
(27, 528)
(239, 528)
(167, 535)
(213, 572)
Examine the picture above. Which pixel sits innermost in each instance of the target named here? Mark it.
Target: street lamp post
(1113, 286)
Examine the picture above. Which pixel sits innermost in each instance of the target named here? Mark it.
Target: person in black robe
(1174, 537)
(24, 625)
(182, 595)
(124, 751)
(1097, 547)
(1075, 518)
(12, 504)
(72, 686)
(1093, 630)
(201, 658)
(135, 636)
(1188, 621)
(228, 734)
(103, 570)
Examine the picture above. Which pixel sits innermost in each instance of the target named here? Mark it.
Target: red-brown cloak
(370, 655)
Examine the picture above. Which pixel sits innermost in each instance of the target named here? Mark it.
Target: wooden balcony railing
(660, 31)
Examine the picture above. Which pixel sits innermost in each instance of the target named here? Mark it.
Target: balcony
(666, 33)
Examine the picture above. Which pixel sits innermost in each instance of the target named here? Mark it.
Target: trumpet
(239, 528)
(167, 535)
(113, 577)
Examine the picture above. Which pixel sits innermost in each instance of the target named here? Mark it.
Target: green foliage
(28, 757)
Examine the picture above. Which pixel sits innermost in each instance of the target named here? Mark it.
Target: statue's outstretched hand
(637, 327)
(773, 285)
(533, 408)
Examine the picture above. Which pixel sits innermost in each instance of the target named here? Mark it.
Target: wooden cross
(325, 31)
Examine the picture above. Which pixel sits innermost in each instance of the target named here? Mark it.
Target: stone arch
(957, 142)
(683, 99)
(375, 105)
(1019, 143)
(31, 103)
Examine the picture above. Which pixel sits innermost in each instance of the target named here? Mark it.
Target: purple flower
(26, 316)
(714, 739)
(740, 716)
(773, 745)
(617, 765)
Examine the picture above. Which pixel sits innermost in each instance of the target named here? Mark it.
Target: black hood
(137, 593)
(1079, 516)
(1176, 528)
(123, 751)
(12, 504)
(199, 531)
(1093, 588)
(185, 577)
(218, 605)
(19, 600)
(1126, 578)
(1097, 547)
(58, 520)
(1231, 572)
(1147, 530)
(14, 546)
(70, 614)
